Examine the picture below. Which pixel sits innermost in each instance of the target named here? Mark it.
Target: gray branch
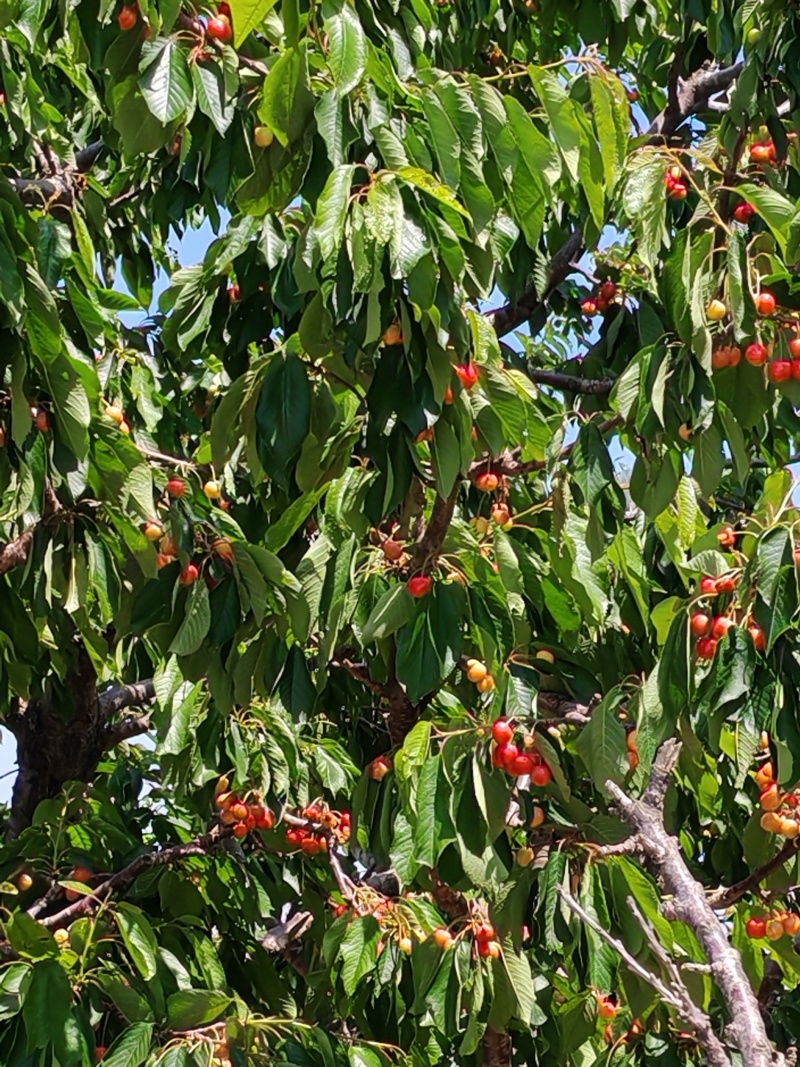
(119, 697)
(689, 905)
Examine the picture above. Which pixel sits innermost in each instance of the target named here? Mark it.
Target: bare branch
(119, 697)
(725, 898)
(427, 549)
(571, 382)
(15, 553)
(132, 726)
(692, 97)
(513, 315)
(200, 846)
(689, 905)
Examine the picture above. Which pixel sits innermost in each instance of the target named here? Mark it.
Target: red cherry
(128, 17)
(794, 347)
(522, 764)
(497, 756)
(487, 482)
(744, 212)
(708, 586)
(780, 370)
(700, 624)
(541, 774)
(679, 191)
(502, 731)
(484, 932)
(608, 290)
(509, 753)
(766, 303)
(189, 574)
(589, 307)
(758, 636)
(763, 152)
(467, 374)
(756, 928)
(706, 647)
(220, 29)
(176, 487)
(420, 585)
(796, 369)
(720, 626)
(393, 550)
(726, 584)
(757, 354)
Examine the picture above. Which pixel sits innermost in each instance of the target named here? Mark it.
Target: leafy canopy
(465, 265)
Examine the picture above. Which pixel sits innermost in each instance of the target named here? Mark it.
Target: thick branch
(725, 898)
(15, 553)
(429, 545)
(201, 846)
(119, 697)
(570, 382)
(692, 97)
(513, 315)
(509, 465)
(689, 905)
(132, 726)
(402, 714)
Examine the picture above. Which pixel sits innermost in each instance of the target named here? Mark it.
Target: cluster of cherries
(514, 761)
(310, 841)
(774, 925)
(779, 807)
(485, 939)
(598, 303)
(675, 181)
(243, 814)
(478, 673)
(757, 354)
(709, 629)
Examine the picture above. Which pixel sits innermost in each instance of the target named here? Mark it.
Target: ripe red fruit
(756, 928)
(541, 774)
(521, 764)
(758, 636)
(763, 152)
(608, 290)
(189, 574)
(780, 370)
(379, 768)
(508, 753)
(41, 421)
(757, 354)
(484, 932)
(393, 550)
(706, 647)
(766, 303)
(700, 624)
(497, 756)
(419, 585)
(487, 482)
(467, 374)
(726, 537)
(708, 587)
(720, 626)
(794, 347)
(726, 584)
(744, 212)
(176, 487)
(128, 17)
(220, 29)
(240, 829)
(589, 307)
(502, 731)
(796, 369)
(99, 1052)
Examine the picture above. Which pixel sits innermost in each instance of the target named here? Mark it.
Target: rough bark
(58, 744)
(689, 905)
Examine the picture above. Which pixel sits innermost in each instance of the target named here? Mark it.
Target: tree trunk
(55, 744)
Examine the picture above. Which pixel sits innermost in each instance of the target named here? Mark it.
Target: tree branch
(119, 697)
(726, 897)
(691, 97)
(15, 553)
(200, 846)
(689, 905)
(571, 382)
(508, 318)
(132, 726)
(428, 547)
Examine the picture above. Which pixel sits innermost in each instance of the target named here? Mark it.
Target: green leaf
(47, 1004)
(211, 96)
(283, 414)
(190, 1008)
(774, 208)
(331, 212)
(562, 116)
(196, 621)
(347, 54)
(394, 609)
(139, 938)
(602, 958)
(130, 1049)
(426, 182)
(165, 80)
(359, 951)
(286, 102)
(247, 15)
(601, 744)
